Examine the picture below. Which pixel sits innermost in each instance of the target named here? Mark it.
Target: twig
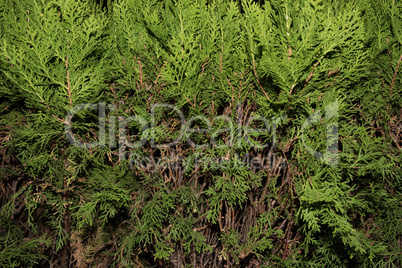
(61, 120)
(256, 77)
(311, 74)
(205, 63)
(157, 78)
(232, 89)
(190, 102)
(139, 63)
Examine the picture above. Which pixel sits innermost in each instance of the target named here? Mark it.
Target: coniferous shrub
(201, 133)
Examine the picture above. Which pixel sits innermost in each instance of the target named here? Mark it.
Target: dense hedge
(200, 133)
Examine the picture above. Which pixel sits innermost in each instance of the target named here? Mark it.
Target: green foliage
(311, 76)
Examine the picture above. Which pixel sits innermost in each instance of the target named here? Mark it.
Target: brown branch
(139, 63)
(364, 117)
(190, 102)
(232, 89)
(61, 120)
(205, 63)
(114, 94)
(157, 78)
(330, 84)
(311, 74)
(256, 77)
(289, 54)
(290, 225)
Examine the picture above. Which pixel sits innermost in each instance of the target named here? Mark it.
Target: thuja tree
(165, 164)
(338, 67)
(54, 56)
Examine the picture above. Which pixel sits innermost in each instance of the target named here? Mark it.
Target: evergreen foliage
(326, 74)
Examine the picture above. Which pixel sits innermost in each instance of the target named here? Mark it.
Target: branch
(256, 77)
(311, 74)
(139, 63)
